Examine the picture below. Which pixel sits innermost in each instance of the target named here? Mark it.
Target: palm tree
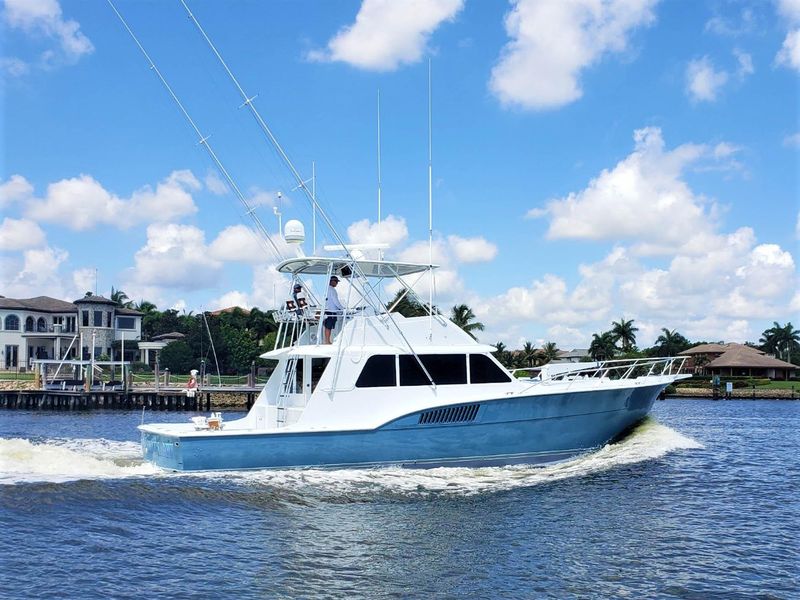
(501, 354)
(145, 307)
(624, 332)
(603, 346)
(779, 339)
(529, 353)
(550, 351)
(407, 306)
(463, 316)
(670, 343)
(120, 298)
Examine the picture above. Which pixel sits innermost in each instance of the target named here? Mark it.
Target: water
(701, 501)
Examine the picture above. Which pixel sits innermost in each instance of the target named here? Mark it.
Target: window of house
(98, 350)
(58, 320)
(12, 323)
(41, 325)
(483, 370)
(108, 319)
(98, 318)
(126, 323)
(29, 324)
(70, 324)
(84, 318)
(378, 371)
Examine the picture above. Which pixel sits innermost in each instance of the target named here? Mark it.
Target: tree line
(240, 337)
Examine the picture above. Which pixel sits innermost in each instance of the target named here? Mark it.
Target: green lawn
(14, 376)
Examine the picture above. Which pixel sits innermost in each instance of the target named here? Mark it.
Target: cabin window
(317, 369)
(379, 371)
(296, 381)
(444, 369)
(483, 370)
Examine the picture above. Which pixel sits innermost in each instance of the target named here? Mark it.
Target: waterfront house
(49, 328)
(734, 359)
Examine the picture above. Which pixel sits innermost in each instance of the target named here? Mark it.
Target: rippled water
(700, 501)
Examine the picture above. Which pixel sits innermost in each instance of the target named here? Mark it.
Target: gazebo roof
(738, 357)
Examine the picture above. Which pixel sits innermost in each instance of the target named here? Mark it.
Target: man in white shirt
(333, 308)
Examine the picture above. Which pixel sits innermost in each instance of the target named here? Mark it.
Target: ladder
(287, 387)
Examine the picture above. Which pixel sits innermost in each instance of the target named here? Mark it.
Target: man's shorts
(330, 322)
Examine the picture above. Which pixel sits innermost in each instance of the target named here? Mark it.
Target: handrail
(627, 368)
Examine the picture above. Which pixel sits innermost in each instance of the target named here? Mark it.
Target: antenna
(276, 209)
(380, 252)
(314, 207)
(430, 202)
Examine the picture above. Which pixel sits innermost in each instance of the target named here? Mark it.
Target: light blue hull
(527, 430)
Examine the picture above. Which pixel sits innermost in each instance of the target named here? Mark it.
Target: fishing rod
(249, 209)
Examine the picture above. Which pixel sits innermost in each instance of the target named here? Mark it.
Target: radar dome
(294, 232)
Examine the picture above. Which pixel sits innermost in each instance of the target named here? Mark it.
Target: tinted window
(410, 372)
(317, 369)
(379, 371)
(483, 370)
(445, 369)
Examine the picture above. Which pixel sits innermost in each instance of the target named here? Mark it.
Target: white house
(48, 328)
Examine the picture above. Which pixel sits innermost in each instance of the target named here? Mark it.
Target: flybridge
(342, 266)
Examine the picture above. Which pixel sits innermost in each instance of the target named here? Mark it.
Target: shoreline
(688, 393)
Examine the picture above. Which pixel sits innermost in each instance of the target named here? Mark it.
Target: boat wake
(61, 460)
(648, 441)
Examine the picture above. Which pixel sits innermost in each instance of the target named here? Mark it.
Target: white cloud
(553, 42)
(82, 202)
(14, 67)
(240, 244)
(387, 34)
(44, 18)
(392, 231)
(745, 64)
(792, 141)
(16, 188)
(214, 184)
(789, 54)
(175, 256)
(270, 289)
(643, 198)
(37, 274)
(732, 26)
(703, 82)
(20, 234)
(469, 250)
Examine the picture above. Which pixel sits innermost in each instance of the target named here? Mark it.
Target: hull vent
(453, 414)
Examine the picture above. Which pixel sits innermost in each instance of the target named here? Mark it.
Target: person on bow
(333, 308)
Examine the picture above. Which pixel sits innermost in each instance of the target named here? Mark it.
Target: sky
(592, 160)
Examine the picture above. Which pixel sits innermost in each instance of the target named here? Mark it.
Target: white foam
(649, 441)
(61, 460)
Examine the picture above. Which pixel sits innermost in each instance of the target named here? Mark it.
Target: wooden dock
(171, 399)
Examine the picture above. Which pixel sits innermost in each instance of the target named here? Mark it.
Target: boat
(407, 392)
(391, 390)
